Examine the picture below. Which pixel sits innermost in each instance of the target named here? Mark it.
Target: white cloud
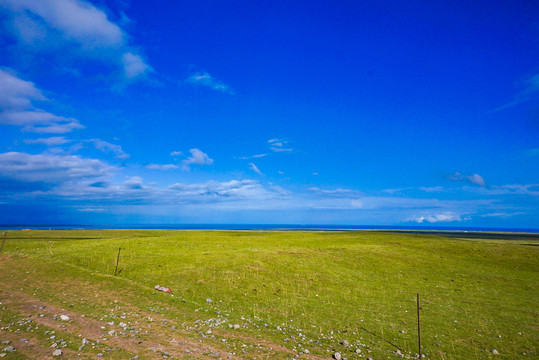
(161, 166)
(17, 108)
(15, 93)
(73, 28)
(197, 158)
(435, 218)
(278, 145)
(134, 182)
(176, 153)
(474, 178)
(255, 169)
(108, 147)
(134, 66)
(77, 20)
(51, 168)
(51, 141)
(205, 79)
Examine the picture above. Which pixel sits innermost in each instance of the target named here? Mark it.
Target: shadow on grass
(381, 338)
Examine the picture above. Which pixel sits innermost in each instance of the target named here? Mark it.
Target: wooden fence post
(418, 327)
(3, 241)
(117, 261)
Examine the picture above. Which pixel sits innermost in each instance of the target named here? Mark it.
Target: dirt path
(103, 323)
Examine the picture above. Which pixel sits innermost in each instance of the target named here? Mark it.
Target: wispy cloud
(76, 26)
(51, 141)
(206, 80)
(17, 107)
(339, 192)
(255, 169)
(474, 178)
(162, 166)
(279, 145)
(108, 147)
(252, 156)
(502, 214)
(530, 86)
(197, 158)
(431, 188)
(511, 189)
(436, 218)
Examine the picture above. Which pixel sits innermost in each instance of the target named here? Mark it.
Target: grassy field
(267, 294)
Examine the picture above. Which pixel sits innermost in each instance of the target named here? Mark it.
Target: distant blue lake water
(251, 227)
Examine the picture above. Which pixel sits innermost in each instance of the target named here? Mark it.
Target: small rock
(64, 317)
(100, 355)
(209, 301)
(494, 351)
(6, 342)
(337, 356)
(398, 352)
(57, 352)
(2, 355)
(358, 351)
(9, 349)
(236, 326)
(344, 343)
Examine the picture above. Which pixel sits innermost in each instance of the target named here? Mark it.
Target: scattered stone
(236, 326)
(57, 352)
(64, 317)
(2, 355)
(9, 349)
(209, 301)
(398, 352)
(358, 351)
(369, 358)
(100, 355)
(344, 343)
(6, 342)
(337, 356)
(494, 351)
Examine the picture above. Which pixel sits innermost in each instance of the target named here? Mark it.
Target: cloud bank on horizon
(338, 116)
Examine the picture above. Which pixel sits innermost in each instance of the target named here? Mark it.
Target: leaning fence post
(3, 241)
(418, 327)
(117, 261)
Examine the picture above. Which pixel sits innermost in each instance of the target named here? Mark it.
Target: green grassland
(270, 294)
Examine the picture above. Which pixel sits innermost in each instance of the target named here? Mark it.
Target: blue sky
(285, 112)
